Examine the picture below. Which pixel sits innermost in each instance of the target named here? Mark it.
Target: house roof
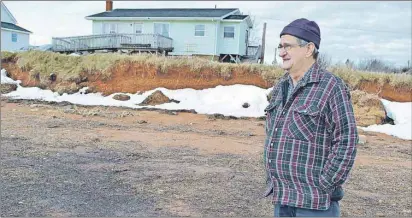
(166, 12)
(8, 11)
(235, 17)
(13, 27)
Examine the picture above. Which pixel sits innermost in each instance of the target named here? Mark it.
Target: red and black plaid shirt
(311, 139)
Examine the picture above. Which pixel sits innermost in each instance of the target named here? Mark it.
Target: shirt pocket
(271, 112)
(304, 122)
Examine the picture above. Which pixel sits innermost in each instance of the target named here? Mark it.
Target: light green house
(217, 33)
(221, 33)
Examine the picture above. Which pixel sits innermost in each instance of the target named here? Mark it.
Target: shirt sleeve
(344, 140)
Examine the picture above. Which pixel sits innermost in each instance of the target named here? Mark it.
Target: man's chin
(285, 67)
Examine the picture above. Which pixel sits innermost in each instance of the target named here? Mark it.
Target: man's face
(291, 53)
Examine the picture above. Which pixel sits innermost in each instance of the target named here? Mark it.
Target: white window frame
(134, 28)
(168, 29)
(224, 31)
(200, 30)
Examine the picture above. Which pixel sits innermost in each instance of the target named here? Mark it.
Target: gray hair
(303, 42)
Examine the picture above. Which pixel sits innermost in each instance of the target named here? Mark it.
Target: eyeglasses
(288, 47)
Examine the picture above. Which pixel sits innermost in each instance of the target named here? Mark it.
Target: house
(217, 33)
(13, 37)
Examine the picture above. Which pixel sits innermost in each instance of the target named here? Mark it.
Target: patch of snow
(226, 100)
(401, 113)
(7, 80)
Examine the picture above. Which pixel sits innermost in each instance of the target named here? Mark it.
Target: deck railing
(252, 50)
(111, 41)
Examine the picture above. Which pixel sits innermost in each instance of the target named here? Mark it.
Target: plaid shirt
(311, 139)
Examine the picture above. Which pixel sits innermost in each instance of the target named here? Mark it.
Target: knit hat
(304, 29)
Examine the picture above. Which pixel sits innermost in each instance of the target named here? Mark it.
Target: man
(311, 133)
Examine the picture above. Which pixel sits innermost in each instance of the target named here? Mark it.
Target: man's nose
(282, 52)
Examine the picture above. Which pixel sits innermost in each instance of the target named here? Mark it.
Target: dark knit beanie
(304, 29)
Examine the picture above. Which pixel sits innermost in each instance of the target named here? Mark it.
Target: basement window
(14, 37)
(200, 30)
(229, 32)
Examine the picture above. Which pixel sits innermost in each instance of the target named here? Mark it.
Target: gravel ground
(67, 160)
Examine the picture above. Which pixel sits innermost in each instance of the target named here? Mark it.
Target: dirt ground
(67, 160)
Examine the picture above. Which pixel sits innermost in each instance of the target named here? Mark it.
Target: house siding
(229, 45)
(5, 16)
(182, 32)
(8, 45)
(185, 42)
(242, 37)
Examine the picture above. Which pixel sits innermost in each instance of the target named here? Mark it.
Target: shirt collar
(310, 76)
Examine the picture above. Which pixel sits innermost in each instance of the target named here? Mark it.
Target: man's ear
(310, 49)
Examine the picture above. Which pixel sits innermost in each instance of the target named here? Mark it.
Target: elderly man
(311, 133)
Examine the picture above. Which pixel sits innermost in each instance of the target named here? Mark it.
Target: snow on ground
(226, 100)
(401, 113)
(5, 79)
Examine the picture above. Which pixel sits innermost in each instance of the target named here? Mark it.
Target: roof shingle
(166, 12)
(235, 17)
(13, 27)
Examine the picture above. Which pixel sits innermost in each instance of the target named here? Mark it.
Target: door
(161, 29)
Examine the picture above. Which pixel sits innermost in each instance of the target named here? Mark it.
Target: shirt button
(276, 129)
(270, 161)
(283, 113)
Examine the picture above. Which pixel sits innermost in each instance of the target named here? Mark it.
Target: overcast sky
(354, 30)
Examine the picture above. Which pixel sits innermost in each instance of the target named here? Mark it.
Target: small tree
(254, 35)
(349, 64)
(324, 61)
(375, 65)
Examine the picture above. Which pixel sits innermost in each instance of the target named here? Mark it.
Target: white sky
(343, 24)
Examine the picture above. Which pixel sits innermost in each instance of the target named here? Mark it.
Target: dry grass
(6, 88)
(354, 77)
(368, 108)
(7, 56)
(69, 68)
(66, 67)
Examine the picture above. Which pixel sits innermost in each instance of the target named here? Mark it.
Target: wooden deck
(253, 54)
(131, 42)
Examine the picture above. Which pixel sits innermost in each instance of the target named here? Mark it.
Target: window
(113, 28)
(229, 32)
(109, 28)
(14, 37)
(161, 29)
(138, 28)
(200, 30)
(105, 28)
